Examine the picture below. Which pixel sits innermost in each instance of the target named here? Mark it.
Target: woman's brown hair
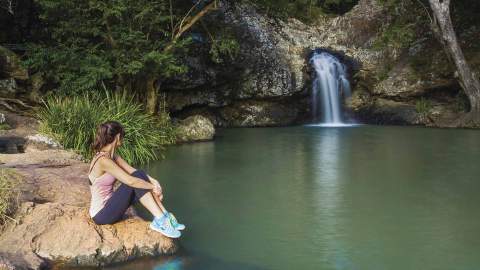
(106, 133)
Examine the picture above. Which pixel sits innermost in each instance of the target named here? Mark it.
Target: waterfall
(329, 88)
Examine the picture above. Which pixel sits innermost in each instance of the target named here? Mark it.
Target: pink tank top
(101, 190)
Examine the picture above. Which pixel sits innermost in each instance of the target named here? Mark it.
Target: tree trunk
(152, 96)
(444, 29)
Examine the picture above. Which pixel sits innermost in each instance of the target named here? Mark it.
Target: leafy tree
(113, 43)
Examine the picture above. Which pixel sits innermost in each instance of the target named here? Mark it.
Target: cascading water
(329, 88)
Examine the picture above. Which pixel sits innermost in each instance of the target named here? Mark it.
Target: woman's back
(101, 188)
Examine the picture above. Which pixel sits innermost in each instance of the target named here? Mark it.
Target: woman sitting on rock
(108, 206)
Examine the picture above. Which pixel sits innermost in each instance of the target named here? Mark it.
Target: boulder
(39, 142)
(53, 225)
(55, 232)
(195, 128)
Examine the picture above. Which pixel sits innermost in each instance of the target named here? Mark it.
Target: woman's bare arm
(124, 165)
(121, 175)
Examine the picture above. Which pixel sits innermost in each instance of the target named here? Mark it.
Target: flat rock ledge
(54, 233)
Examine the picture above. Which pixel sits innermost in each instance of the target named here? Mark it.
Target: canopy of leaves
(104, 41)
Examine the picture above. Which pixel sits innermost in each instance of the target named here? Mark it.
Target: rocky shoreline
(52, 223)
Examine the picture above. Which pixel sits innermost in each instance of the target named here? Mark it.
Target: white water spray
(329, 88)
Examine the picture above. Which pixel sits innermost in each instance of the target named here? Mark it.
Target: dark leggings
(121, 199)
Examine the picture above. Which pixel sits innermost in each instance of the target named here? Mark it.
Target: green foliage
(382, 74)
(5, 126)
(305, 10)
(224, 46)
(407, 18)
(73, 121)
(397, 36)
(87, 43)
(8, 194)
(423, 106)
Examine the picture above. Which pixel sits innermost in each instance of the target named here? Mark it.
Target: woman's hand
(157, 190)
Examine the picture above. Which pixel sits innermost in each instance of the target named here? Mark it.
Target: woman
(108, 206)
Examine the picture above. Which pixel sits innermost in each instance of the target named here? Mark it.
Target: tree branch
(194, 19)
(190, 22)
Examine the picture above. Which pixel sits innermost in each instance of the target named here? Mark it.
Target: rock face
(195, 128)
(269, 83)
(53, 223)
(254, 113)
(260, 79)
(54, 232)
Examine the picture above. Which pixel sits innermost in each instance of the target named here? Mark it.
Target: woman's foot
(164, 226)
(174, 222)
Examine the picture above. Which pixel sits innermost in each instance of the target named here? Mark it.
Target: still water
(364, 197)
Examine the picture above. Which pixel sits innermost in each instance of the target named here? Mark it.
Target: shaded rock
(385, 111)
(259, 113)
(8, 87)
(10, 65)
(195, 128)
(11, 144)
(82, 242)
(180, 100)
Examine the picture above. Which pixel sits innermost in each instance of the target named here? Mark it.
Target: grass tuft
(73, 120)
(423, 106)
(8, 195)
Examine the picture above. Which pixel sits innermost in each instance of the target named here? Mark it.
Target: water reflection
(173, 264)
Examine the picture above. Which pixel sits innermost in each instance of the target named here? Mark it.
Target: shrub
(423, 106)
(73, 122)
(8, 194)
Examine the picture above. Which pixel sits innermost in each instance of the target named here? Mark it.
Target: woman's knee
(140, 174)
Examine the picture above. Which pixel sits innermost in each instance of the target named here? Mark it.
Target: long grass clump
(73, 122)
(8, 195)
